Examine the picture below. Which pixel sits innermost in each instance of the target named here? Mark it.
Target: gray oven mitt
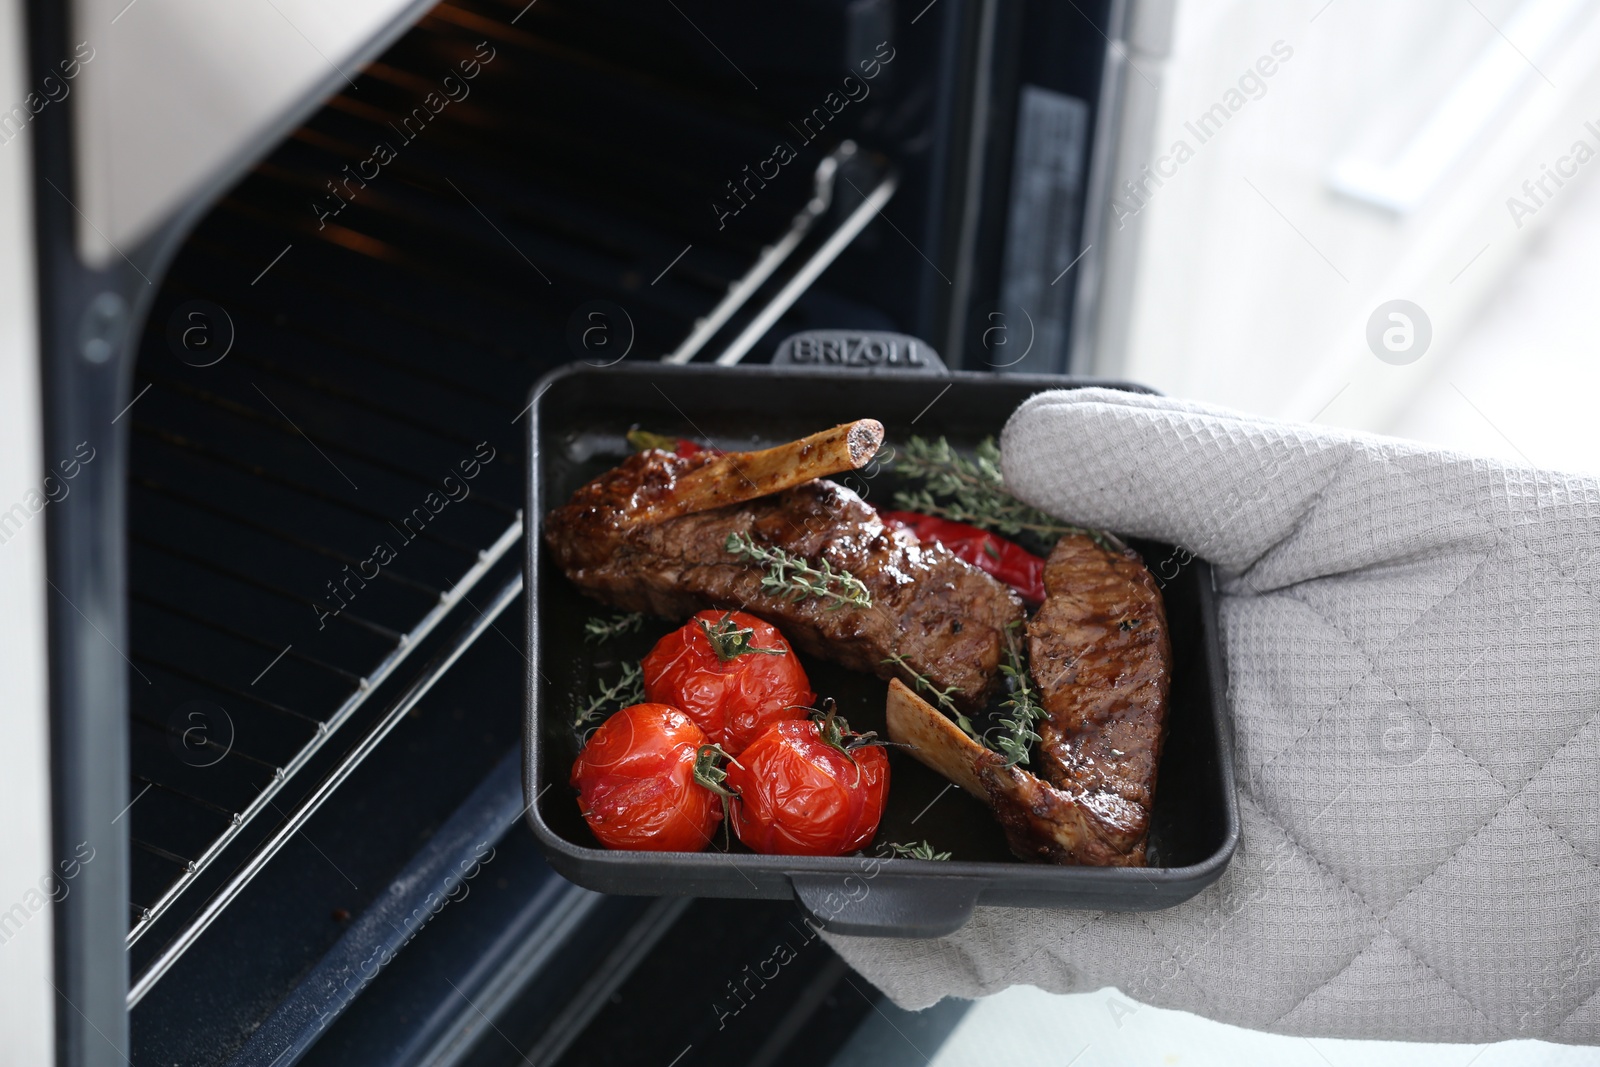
(1413, 647)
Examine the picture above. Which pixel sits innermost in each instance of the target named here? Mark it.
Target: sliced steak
(1100, 655)
(944, 616)
(1103, 663)
(1100, 658)
(1042, 822)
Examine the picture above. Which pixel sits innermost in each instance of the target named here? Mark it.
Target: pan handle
(880, 904)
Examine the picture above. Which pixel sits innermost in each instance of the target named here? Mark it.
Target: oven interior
(326, 479)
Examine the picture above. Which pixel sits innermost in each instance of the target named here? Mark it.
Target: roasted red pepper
(1016, 566)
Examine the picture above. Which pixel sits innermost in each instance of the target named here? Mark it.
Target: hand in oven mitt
(1413, 648)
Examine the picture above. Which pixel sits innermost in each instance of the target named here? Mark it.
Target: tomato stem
(709, 772)
(836, 733)
(708, 769)
(833, 727)
(729, 640)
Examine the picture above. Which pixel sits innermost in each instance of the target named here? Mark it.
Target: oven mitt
(1413, 648)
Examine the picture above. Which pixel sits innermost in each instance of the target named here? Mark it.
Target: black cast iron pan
(576, 427)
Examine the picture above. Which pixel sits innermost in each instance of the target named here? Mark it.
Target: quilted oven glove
(1414, 674)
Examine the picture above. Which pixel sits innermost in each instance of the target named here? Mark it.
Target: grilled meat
(945, 617)
(1102, 664)
(1042, 822)
(1063, 824)
(1100, 656)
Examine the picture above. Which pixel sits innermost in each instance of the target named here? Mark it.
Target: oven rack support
(773, 256)
(298, 818)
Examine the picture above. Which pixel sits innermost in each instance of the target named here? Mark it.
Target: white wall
(1256, 278)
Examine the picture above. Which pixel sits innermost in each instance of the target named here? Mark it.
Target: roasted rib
(945, 617)
(1101, 659)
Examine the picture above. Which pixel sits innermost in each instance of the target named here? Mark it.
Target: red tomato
(635, 782)
(730, 672)
(801, 796)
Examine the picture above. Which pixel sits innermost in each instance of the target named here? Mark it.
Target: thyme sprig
(919, 851)
(795, 578)
(940, 697)
(597, 629)
(625, 691)
(973, 490)
(1023, 704)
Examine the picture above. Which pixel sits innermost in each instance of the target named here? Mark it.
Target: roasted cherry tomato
(731, 673)
(1011, 563)
(803, 791)
(636, 783)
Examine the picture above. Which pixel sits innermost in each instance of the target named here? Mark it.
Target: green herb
(710, 773)
(640, 440)
(837, 735)
(940, 697)
(794, 578)
(919, 851)
(625, 691)
(1023, 704)
(729, 640)
(596, 629)
(973, 490)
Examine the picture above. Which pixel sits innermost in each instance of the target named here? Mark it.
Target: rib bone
(739, 476)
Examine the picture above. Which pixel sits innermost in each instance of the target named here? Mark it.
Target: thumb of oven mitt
(1412, 640)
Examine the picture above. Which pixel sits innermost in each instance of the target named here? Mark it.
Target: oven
(283, 594)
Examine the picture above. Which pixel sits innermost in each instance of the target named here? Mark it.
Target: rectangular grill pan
(576, 427)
